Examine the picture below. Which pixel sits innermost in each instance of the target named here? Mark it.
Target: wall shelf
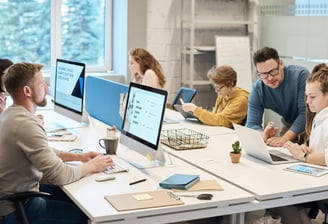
(201, 21)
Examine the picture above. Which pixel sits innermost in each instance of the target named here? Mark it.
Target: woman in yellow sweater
(231, 103)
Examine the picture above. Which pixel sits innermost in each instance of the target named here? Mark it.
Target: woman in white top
(316, 129)
(316, 92)
(146, 69)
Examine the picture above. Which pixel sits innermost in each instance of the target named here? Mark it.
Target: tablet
(306, 169)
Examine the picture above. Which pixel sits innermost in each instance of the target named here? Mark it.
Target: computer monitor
(142, 123)
(68, 92)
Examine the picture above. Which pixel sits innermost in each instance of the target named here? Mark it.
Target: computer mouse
(205, 196)
(105, 178)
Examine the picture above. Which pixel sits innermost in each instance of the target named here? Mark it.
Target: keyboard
(117, 168)
(276, 158)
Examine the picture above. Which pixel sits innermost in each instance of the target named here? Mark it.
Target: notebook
(186, 115)
(179, 181)
(254, 145)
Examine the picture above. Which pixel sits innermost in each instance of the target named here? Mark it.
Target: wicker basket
(181, 139)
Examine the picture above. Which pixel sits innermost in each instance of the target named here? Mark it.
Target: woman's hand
(295, 149)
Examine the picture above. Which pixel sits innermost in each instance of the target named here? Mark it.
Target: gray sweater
(26, 157)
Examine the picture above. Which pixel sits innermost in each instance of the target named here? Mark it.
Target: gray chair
(18, 199)
(317, 206)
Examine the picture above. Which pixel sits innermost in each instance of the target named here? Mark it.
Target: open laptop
(252, 142)
(186, 115)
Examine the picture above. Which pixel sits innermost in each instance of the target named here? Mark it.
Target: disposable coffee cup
(109, 144)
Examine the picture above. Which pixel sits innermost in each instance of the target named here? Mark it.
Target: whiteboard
(235, 52)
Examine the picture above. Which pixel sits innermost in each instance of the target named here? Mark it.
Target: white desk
(271, 185)
(89, 194)
(194, 125)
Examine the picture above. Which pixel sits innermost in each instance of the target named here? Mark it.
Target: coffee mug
(109, 144)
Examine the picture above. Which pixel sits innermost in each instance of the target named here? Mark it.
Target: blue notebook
(179, 181)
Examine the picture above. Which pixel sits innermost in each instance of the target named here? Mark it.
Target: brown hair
(265, 54)
(147, 61)
(4, 64)
(19, 75)
(318, 74)
(224, 74)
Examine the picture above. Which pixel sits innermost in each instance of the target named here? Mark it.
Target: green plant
(236, 147)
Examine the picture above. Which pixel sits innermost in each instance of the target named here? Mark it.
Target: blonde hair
(319, 74)
(224, 74)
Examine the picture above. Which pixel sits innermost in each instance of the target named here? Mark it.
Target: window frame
(55, 33)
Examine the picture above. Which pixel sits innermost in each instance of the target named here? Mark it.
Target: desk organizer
(181, 139)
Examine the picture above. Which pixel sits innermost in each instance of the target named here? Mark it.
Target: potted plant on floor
(236, 152)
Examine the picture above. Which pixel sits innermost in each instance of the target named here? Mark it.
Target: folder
(142, 200)
(62, 138)
(204, 185)
(179, 181)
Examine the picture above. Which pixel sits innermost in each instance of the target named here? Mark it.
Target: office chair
(18, 199)
(317, 206)
(185, 93)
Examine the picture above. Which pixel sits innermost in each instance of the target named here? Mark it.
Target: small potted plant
(236, 152)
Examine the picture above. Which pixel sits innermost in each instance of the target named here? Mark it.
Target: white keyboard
(117, 168)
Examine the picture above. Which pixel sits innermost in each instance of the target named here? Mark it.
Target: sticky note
(142, 197)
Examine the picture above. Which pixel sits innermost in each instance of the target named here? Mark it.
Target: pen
(181, 101)
(137, 181)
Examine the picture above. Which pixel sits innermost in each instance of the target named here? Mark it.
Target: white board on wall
(235, 51)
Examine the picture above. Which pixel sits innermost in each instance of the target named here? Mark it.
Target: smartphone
(306, 169)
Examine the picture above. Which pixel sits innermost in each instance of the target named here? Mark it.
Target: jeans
(54, 209)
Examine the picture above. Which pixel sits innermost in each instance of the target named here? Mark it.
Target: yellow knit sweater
(227, 110)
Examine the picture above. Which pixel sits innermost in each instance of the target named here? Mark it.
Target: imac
(142, 124)
(68, 93)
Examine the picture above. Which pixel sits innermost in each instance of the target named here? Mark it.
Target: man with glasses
(281, 89)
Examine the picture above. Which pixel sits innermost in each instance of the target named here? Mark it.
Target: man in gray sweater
(26, 159)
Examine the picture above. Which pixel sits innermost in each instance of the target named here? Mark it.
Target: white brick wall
(163, 39)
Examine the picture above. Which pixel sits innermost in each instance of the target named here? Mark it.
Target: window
(42, 30)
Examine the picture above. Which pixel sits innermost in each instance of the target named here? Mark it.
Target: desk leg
(241, 218)
(233, 218)
(238, 218)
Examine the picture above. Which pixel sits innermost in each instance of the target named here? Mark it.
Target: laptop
(252, 142)
(186, 115)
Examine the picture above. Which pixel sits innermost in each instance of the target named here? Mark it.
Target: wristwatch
(305, 157)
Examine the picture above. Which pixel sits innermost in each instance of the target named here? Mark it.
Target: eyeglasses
(217, 88)
(272, 72)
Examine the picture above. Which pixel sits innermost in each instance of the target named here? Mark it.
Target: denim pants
(55, 209)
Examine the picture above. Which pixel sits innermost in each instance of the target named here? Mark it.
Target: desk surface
(89, 194)
(194, 125)
(267, 182)
(250, 179)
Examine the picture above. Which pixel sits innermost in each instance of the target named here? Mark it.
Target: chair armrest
(24, 195)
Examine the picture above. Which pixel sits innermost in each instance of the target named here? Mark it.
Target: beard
(41, 103)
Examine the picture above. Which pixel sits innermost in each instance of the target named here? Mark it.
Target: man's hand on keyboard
(85, 157)
(117, 168)
(97, 164)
